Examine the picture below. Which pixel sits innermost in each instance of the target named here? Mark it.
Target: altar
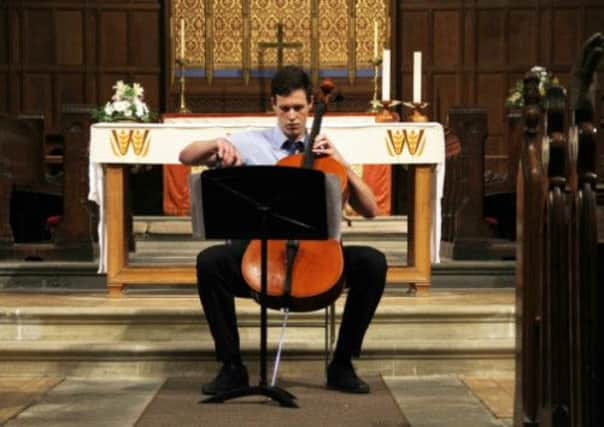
(359, 140)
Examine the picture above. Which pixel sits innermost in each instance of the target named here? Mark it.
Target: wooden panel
(70, 38)
(522, 38)
(445, 95)
(70, 89)
(492, 146)
(113, 37)
(414, 36)
(496, 165)
(544, 55)
(4, 39)
(3, 92)
(406, 82)
(447, 44)
(491, 89)
(490, 38)
(37, 94)
(38, 38)
(566, 38)
(144, 38)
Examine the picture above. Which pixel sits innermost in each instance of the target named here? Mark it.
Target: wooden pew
(559, 303)
(23, 163)
(466, 233)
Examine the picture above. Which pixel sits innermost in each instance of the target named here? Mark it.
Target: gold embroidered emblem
(140, 143)
(399, 138)
(121, 139)
(396, 140)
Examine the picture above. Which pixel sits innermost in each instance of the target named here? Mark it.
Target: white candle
(417, 77)
(386, 75)
(375, 38)
(182, 38)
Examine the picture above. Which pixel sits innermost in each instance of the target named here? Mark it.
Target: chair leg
(326, 351)
(330, 333)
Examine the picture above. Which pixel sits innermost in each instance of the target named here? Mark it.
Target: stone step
(76, 276)
(204, 349)
(143, 335)
(396, 318)
(184, 252)
(357, 228)
(178, 358)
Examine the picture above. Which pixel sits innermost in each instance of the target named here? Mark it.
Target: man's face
(292, 111)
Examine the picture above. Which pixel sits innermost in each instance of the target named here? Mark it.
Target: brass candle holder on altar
(183, 103)
(375, 104)
(417, 113)
(387, 114)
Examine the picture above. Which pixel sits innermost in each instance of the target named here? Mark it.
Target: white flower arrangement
(515, 98)
(126, 104)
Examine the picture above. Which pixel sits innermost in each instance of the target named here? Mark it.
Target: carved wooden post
(558, 283)
(471, 233)
(513, 137)
(73, 234)
(6, 186)
(559, 297)
(587, 298)
(529, 275)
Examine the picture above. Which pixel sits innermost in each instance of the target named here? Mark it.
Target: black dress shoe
(231, 377)
(341, 377)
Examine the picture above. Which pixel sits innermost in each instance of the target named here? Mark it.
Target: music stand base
(279, 395)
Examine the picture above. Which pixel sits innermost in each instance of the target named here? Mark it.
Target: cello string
(280, 347)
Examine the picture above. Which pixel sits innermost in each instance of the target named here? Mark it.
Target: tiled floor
(433, 401)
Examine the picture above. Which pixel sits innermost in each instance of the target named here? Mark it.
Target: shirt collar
(278, 138)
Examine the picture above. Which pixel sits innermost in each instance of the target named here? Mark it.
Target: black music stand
(263, 202)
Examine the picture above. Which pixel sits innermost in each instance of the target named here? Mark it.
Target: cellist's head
(291, 98)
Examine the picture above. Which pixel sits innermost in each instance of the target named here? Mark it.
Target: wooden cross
(280, 45)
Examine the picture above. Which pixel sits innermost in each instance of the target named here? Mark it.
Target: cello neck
(309, 158)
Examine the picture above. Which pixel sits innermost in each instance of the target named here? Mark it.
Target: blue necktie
(293, 146)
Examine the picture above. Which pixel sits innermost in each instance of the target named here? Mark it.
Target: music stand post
(264, 202)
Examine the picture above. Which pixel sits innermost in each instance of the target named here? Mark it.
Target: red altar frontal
(175, 177)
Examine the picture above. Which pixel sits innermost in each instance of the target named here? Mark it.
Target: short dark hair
(290, 78)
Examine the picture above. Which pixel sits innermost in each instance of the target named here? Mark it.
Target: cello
(303, 275)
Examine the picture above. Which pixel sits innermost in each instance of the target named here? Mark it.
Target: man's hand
(361, 197)
(226, 153)
(324, 147)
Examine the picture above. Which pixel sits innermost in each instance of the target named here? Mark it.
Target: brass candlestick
(183, 104)
(417, 113)
(376, 105)
(387, 115)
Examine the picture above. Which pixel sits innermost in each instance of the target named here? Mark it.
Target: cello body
(302, 275)
(316, 273)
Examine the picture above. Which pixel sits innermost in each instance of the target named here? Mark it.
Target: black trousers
(219, 279)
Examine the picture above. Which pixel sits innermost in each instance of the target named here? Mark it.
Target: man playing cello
(219, 276)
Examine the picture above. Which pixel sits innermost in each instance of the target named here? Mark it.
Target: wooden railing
(559, 303)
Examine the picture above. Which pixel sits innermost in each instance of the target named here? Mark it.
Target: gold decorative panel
(228, 31)
(344, 29)
(333, 33)
(295, 17)
(367, 11)
(194, 13)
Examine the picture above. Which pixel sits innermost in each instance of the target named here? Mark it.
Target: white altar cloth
(358, 138)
